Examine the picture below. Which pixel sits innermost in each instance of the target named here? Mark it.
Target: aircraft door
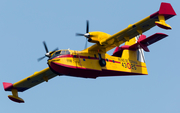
(76, 59)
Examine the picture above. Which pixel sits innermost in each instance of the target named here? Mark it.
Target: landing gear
(102, 62)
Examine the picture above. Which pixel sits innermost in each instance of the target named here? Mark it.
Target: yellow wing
(107, 42)
(35, 79)
(26, 83)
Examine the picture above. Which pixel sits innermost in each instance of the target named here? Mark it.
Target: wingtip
(7, 86)
(166, 9)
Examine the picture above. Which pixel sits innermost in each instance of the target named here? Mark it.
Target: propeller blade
(48, 54)
(87, 31)
(54, 51)
(39, 59)
(87, 26)
(79, 34)
(45, 46)
(87, 35)
(86, 44)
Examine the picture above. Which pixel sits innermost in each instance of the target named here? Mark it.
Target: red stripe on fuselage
(141, 66)
(84, 57)
(76, 56)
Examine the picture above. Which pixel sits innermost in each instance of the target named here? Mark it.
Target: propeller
(87, 35)
(48, 54)
(87, 31)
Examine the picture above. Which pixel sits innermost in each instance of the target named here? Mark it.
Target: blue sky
(25, 24)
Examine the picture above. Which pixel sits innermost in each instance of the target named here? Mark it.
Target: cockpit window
(57, 53)
(62, 52)
(67, 52)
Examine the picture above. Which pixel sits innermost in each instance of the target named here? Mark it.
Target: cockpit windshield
(61, 52)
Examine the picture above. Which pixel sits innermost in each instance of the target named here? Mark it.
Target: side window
(63, 52)
(67, 52)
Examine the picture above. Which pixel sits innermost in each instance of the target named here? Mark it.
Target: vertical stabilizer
(137, 54)
(140, 53)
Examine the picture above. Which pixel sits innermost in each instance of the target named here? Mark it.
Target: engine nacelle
(97, 36)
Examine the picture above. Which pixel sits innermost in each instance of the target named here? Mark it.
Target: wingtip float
(14, 97)
(93, 61)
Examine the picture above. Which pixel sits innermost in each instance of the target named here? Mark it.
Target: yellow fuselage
(86, 64)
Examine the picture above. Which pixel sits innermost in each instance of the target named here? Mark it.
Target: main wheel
(102, 62)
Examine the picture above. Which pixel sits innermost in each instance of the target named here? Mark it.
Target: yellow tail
(137, 55)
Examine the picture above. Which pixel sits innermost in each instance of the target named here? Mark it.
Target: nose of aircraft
(50, 61)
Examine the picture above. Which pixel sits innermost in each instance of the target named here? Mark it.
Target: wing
(165, 12)
(33, 80)
(26, 83)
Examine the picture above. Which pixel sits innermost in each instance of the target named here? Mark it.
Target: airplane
(93, 62)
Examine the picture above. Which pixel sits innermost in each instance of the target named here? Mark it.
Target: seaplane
(92, 62)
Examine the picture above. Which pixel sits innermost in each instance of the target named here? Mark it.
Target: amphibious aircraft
(93, 62)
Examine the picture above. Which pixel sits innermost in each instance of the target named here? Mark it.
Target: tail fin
(135, 55)
(140, 53)
(119, 50)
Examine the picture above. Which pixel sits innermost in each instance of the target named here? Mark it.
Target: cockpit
(60, 52)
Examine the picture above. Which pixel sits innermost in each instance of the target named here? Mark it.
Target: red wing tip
(166, 9)
(7, 86)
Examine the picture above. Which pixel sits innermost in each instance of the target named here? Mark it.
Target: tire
(102, 62)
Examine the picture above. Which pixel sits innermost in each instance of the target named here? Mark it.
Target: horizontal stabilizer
(142, 42)
(153, 38)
